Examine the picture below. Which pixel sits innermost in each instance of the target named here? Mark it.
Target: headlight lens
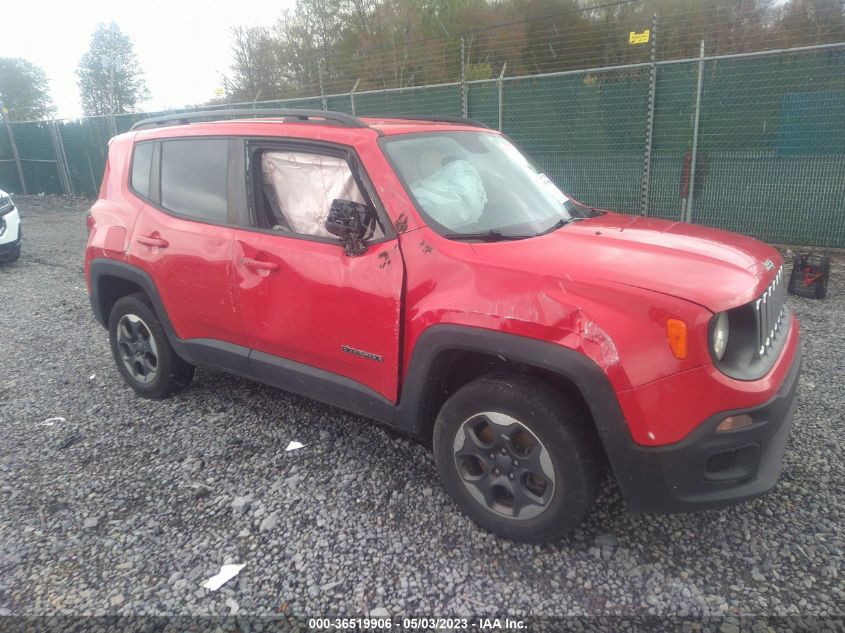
(719, 339)
(5, 204)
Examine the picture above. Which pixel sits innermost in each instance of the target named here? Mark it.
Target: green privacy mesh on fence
(9, 180)
(584, 129)
(771, 145)
(770, 153)
(431, 100)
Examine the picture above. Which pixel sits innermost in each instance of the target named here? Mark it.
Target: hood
(713, 268)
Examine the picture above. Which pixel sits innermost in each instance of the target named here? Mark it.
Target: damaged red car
(425, 274)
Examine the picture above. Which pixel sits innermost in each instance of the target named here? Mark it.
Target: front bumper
(10, 232)
(708, 469)
(11, 247)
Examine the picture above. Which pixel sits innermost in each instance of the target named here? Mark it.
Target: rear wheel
(141, 351)
(513, 455)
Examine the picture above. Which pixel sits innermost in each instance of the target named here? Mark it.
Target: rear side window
(194, 178)
(142, 157)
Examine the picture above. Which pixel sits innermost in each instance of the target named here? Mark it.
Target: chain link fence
(752, 142)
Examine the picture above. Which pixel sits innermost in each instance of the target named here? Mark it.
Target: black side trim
(411, 414)
(213, 354)
(321, 385)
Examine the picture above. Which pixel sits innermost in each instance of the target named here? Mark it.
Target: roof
(390, 126)
(204, 122)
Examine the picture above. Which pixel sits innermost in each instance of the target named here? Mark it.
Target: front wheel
(513, 455)
(141, 351)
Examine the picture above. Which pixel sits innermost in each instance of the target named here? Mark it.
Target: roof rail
(211, 115)
(436, 119)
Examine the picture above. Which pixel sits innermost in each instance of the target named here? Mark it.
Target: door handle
(152, 240)
(258, 264)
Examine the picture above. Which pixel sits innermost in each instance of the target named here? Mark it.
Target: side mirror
(349, 221)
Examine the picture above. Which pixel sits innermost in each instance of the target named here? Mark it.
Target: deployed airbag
(305, 186)
(453, 196)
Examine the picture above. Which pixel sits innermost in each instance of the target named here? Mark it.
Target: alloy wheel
(504, 466)
(137, 348)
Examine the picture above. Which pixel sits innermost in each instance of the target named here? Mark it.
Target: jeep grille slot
(769, 313)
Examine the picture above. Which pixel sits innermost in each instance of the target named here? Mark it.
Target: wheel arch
(446, 357)
(111, 280)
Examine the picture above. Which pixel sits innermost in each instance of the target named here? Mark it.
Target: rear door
(182, 238)
(303, 298)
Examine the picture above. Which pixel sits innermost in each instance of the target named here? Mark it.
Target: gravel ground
(127, 506)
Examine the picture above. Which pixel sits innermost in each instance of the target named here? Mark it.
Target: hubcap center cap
(504, 463)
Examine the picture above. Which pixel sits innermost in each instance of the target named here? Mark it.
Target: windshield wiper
(492, 235)
(560, 223)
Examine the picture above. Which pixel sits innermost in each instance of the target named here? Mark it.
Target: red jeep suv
(425, 274)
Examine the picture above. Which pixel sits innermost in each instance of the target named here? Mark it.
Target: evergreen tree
(24, 90)
(110, 79)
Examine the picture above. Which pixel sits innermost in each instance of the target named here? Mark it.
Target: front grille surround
(758, 332)
(769, 313)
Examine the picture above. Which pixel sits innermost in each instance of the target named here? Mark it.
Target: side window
(142, 156)
(194, 178)
(297, 190)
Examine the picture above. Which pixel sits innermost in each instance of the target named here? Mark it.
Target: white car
(10, 229)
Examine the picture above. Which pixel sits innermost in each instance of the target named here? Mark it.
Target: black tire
(141, 351)
(552, 423)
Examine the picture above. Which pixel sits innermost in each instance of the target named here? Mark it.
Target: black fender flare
(100, 268)
(583, 372)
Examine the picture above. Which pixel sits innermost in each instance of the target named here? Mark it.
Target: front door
(302, 297)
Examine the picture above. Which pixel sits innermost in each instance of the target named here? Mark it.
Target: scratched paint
(592, 332)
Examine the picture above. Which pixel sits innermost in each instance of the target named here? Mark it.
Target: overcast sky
(181, 44)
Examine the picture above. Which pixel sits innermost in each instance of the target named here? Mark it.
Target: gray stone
(269, 523)
(241, 504)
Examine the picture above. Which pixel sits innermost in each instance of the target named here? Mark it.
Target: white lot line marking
(227, 572)
(52, 421)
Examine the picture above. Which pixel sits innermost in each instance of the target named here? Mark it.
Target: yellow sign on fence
(639, 38)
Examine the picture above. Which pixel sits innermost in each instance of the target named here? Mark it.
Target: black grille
(720, 462)
(769, 313)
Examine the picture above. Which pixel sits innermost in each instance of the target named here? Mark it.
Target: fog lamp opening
(734, 422)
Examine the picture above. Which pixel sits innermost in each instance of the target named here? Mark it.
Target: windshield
(478, 184)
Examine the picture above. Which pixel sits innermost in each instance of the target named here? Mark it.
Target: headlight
(5, 204)
(719, 336)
